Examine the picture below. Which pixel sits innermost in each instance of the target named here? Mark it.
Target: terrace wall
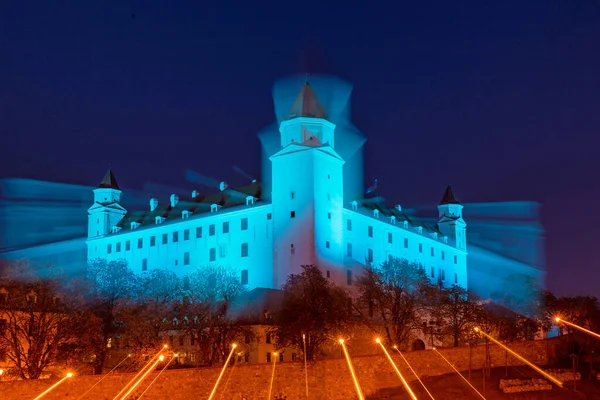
(327, 379)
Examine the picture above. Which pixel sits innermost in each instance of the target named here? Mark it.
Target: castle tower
(307, 192)
(107, 210)
(451, 222)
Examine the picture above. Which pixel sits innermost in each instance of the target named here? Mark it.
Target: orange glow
(222, 372)
(154, 380)
(377, 340)
(408, 389)
(519, 357)
(272, 375)
(557, 319)
(413, 371)
(358, 390)
(581, 328)
(139, 373)
(45, 392)
(461, 375)
(143, 377)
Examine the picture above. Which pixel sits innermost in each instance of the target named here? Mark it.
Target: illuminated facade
(308, 208)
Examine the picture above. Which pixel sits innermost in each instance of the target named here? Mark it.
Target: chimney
(398, 207)
(194, 194)
(223, 186)
(174, 200)
(153, 204)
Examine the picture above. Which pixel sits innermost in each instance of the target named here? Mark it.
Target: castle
(308, 208)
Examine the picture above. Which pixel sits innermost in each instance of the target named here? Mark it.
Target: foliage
(457, 310)
(391, 296)
(37, 320)
(312, 307)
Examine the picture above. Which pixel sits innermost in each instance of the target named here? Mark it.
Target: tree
(457, 310)
(314, 307)
(36, 318)
(109, 284)
(208, 306)
(391, 296)
(159, 287)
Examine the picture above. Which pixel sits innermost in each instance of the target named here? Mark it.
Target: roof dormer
(134, 225)
(215, 207)
(250, 200)
(185, 214)
(115, 229)
(420, 229)
(376, 213)
(405, 224)
(393, 219)
(355, 205)
(159, 220)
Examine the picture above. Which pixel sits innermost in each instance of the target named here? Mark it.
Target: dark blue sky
(501, 99)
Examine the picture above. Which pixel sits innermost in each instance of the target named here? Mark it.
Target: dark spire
(449, 197)
(307, 104)
(109, 181)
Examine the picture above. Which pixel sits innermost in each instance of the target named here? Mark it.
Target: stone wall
(327, 379)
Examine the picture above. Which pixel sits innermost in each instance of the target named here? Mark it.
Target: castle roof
(200, 204)
(307, 104)
(449, 197)
(109, 181)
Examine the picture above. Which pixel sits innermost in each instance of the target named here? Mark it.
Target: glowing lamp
(161, 358)
(433, 348)
(275, 353)
(378, 340)
(70, 374)
(395, 346)
(165, 346)
(341, 341)
(176, 355)
(234, 345)
(476, 329)
(557, 319)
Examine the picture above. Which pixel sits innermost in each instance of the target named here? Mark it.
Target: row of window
(281, 358)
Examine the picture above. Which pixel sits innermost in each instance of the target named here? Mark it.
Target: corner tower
(307, 192)
(107, 210)
(451, 222)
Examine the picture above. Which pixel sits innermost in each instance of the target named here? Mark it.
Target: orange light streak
(222, 372)
(160, 358)
(272, 375)
(109, 372)
(161, 371)
(45, 392)
(139, 373)
(581, 328)
(358, 390)
(461, 375)
(518, 356)
(413, 371)
(408, 389)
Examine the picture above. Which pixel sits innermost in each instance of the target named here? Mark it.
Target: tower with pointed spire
(107, 210)
(451, 222)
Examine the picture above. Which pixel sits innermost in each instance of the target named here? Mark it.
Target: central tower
(307, 192)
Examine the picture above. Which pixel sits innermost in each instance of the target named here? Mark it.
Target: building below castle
(309, 208)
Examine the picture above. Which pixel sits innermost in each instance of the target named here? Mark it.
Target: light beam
(105, 375)
(413, 371)
(139, 373)
(45, 392)
(222, 372)
(356, 384)
(408, 389)
(160, 358)
(161, 371)
(272, 375)
(461, 375)
(581, 328)
(519, 357)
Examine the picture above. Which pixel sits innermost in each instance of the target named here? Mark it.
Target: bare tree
(456, 310)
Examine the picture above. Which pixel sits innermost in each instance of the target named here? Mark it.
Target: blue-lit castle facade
(308, 208)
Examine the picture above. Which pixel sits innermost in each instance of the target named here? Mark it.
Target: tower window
(443, 275)
(455, 277)
(109, 248)
(349, 249)
(455, 260)
(292, 214)
(186, 234)
(432, 272)
(328, 215)
(198, 232)
(226, 227)
(443, 255)
(244, 224)
(244, 277)
(211, 230)
(370, 231)
(406, 243)
(292, 195)
(212, 255)
(128, 245)
(165, 238)
(118, 247)
(175, 236)
(144, 264)
(152, 241)
(349, 277)
(349, 224)
(244, 249)
(420, 247)
(390, 237)
(268, 357)
(186, 258)
(140, 243)
(269, 216)
(432, 252)
(370, 255)
(327, 244)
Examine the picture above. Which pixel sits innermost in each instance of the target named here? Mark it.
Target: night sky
(500, 99)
